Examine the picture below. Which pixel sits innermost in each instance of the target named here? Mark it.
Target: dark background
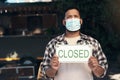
(100, 20)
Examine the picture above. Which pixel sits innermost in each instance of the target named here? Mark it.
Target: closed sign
(73, 53)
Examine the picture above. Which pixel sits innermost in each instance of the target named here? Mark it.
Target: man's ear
(81, 21)
(64, 23)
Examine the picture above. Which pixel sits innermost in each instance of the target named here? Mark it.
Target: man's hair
(71, 7)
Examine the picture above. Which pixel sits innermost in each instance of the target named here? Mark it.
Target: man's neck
(70, 34)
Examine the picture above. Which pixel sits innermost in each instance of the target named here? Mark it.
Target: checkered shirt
(84, 39)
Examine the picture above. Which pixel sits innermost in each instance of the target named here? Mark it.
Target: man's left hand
(93, 63)
(95, 67)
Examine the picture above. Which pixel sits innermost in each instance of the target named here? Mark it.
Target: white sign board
(73, 53)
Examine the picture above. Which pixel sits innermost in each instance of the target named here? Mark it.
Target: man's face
(72, 13)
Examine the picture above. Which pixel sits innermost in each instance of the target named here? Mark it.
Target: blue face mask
(73, 24)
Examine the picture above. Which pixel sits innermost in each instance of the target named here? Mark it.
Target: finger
(54, 61)
(55, 56)
(54, 64)
(93, 59)
(94, 62)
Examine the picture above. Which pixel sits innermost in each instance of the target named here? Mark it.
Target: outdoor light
(26, 1)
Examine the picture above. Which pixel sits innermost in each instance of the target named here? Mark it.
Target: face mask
(73, 24)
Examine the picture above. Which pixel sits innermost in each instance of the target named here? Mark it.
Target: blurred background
(26, 26)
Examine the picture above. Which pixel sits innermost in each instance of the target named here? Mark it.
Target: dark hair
(69, 8)
(72, 7)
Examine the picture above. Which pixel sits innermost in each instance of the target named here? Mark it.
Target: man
(52, 69)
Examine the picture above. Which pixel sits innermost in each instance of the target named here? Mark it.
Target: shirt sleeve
(45, 64)
(99, 54)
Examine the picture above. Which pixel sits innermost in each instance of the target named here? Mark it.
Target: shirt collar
(82, 37)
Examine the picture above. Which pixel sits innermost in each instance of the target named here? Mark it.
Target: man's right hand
(54, 66)
(55, 62)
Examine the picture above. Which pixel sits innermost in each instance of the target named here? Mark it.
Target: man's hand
(93, 63)
(55, 63)
(95, 67)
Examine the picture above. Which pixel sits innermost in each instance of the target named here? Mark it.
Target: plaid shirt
(84, 39)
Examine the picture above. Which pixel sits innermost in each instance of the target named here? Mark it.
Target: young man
(52, 69)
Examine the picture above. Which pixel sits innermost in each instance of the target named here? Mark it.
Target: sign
(73, 53)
